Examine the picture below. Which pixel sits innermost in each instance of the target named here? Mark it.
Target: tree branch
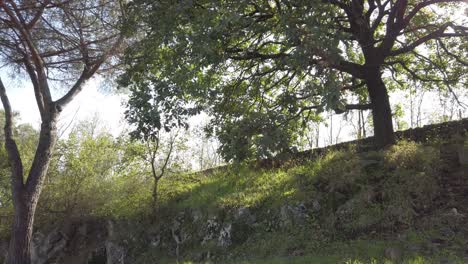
(87, 73)
(38, 62)
(433, 35)
(420, 6)
(37, 91)
(168, 156)
(14, 157)
(358, 106)
(38, 14)
(380, 16)
(457, 58)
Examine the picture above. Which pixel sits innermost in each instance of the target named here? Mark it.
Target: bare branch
(38, 14)
(421, 5)
(168, 157)
(439, 33)
(456, 57)
(37, 91)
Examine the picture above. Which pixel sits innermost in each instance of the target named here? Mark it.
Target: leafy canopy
(264, 68)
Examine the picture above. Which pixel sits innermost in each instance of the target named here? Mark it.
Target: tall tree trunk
(26, 195)
(381, 110)
(20, 241)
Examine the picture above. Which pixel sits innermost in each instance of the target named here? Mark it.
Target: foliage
(96, 175)
(80, 173)
(410, 155)
(156, 112)
(261, 64)
(4, 166)
(257, 135)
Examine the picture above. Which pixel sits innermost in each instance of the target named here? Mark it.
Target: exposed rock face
(224, 238)
(316, 206)
(115, 254)
(462, 152)
(293, 214)
(243, 214)
(80, 241)
(215, 232)
(46, 247)
(197, 215)
(210, 230)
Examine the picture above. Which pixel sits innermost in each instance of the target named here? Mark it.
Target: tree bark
(20, 241)
(381, 111)
(26, 196)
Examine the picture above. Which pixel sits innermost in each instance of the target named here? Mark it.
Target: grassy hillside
(388, 206)
(343, 204)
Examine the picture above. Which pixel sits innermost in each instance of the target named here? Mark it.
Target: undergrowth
(374, 196)
(350, 196)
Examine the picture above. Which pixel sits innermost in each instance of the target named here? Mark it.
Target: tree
(158, 155)
(159, 148)
(55, 43)
(294, 58)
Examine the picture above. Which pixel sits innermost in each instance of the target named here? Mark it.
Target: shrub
(412, 156)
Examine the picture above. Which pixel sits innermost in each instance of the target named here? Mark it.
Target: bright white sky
(90, 102)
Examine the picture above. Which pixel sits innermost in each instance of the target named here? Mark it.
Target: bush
(412, 156)
(361, 195)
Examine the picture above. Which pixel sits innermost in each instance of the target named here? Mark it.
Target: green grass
(249, 187)
(383, 191)
(337, 260)
(245, 187)
(365, 200)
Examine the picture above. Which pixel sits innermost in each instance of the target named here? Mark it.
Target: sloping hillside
(344, 204)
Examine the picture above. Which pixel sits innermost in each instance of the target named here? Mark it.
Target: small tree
(154, 115)
(55, 43)
(158, 154)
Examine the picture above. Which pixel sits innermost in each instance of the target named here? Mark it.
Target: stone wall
(443, 131)
(454, 130)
